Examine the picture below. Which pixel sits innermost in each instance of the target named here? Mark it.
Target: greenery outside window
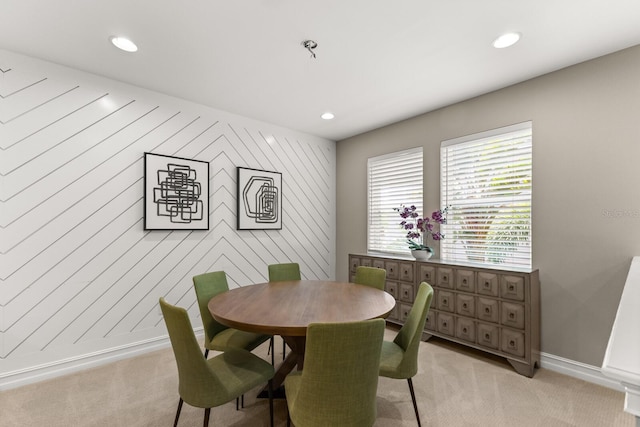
(392, 179)
(486, 181)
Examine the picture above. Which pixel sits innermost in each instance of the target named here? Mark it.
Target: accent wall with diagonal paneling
(80, 278)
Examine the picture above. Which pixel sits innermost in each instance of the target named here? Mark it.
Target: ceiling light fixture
(310, 45)
(123, 43)
(506, 40)
(327, 116)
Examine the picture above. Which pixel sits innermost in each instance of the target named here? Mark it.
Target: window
(392, 180)
(486, 183)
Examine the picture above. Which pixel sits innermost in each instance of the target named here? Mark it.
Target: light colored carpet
(454, 387)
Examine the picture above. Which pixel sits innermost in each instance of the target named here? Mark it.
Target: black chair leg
(270, 383)
(273, 352)
(175, 423)
(206, 352)
(206, 417)
(413, 397)
(284, 349)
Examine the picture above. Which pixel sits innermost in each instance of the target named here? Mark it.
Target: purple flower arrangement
(418, 228)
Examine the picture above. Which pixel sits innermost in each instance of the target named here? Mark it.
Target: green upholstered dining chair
(216, 335)
(339, 381)
(399, 358)
(206, 383)
(371, 276)
(282, 272)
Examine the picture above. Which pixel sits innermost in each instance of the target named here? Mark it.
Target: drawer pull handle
(512, 344)
(512, 316)
(464, 305)
(487, 337)
(464, 281)
(486, 284)
(444, 278)
(487, 310)
(444, 301)
(464, 330)
(444, 324)
(512, 288)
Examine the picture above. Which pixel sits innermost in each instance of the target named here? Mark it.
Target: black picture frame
(176, 193)
(259, 199)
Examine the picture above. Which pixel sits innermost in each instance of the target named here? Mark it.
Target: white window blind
(392, 180)
(486, 183)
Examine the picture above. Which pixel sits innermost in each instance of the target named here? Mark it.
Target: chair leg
(206, 352)
(206, 417)
(273, 351)
(284, 349)
(237, 403)
(175, 423)
(270, 383)
(413, 398)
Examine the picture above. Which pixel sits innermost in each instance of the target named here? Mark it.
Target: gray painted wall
(79, 277)
(586, 187)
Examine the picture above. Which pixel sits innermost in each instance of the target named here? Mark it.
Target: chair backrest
(282, 272)
(410, 334)
(197, 381)
(207, 286)
(371, 276)
(340, 376)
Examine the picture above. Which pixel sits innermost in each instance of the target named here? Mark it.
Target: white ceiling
(377, 61)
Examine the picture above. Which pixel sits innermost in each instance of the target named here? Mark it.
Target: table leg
(293, 359)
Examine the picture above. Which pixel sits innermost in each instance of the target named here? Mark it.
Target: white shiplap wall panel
(38, 124)
(31, 97)
(79, 276)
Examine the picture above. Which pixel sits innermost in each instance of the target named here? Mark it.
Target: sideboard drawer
(465, 329)
(488, 310)
(406, 292)
(512, 287)
(445, 277)
(466, 280)
(512, 315)
(427, 274)
(446, 324)
(487, 284)
(466, 305)
(392, 288)
(446, 301)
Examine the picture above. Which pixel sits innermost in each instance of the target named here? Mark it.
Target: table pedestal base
(293, 359)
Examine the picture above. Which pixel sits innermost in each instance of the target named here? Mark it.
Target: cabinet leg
(522, 368)
(426, 336)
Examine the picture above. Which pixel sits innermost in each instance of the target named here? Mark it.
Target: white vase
(421, 255)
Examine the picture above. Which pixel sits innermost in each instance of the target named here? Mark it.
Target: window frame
(505, 217)
(407, 177)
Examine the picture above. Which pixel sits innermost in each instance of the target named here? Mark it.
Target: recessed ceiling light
(327, 116)
(123, 43)
(506, 40)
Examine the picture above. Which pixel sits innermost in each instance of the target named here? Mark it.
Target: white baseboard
(58, 368)
(37, 373)
(578, 370)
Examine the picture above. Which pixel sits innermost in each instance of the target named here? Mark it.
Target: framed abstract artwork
(259, 199)
(176, 193)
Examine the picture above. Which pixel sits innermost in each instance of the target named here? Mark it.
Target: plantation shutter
(486, 183)
(392, 180)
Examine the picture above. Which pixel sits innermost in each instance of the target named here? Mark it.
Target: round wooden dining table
(287, 308)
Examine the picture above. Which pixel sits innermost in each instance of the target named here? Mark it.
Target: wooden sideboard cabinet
(490, 309)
